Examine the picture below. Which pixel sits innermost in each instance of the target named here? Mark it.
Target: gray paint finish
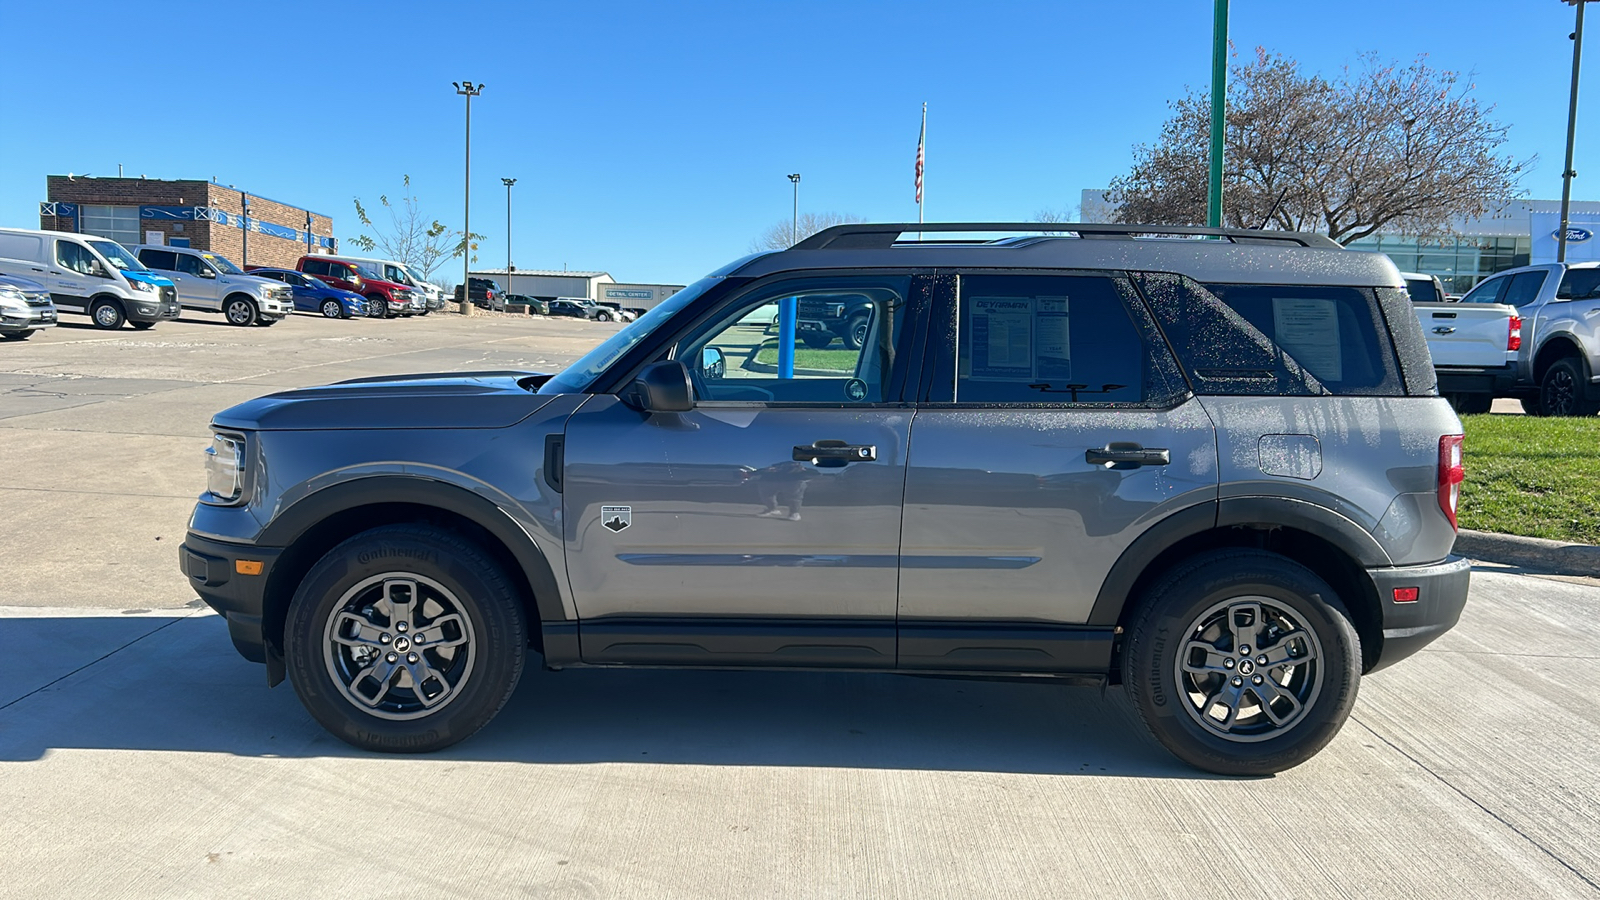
(990, 488)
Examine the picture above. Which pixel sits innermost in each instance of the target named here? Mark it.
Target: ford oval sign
(1575, 235)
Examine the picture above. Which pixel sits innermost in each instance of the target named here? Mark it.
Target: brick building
(246, 228)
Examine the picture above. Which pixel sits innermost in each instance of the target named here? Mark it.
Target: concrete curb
(1531, 553)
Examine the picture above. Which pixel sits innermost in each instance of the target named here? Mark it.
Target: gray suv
(1209, 465)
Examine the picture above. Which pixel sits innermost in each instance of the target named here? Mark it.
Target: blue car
(312, 294)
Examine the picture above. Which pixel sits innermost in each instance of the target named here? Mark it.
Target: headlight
(225, 467)
(13, 299)
(141, 285)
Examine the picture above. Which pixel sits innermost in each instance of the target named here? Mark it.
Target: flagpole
(922, 164)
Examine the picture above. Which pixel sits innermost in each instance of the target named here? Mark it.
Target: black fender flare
(291, 523)
(1336, 529)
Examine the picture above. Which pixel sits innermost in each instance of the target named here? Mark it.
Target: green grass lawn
(832, 360)
(1533, 477)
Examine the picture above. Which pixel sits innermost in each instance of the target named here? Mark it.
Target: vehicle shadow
(178, 685)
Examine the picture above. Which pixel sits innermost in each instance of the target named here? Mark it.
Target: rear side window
(314, 267)
(1422, 290)
(1058, 339)
(1524, 288)
(157, 259)
(1579, 284)
(1284, 340)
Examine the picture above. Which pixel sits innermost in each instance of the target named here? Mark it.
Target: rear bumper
(1495, 380)
(1441, 595)
(212, 570)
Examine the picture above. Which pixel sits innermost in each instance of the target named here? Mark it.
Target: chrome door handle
(1125, 455)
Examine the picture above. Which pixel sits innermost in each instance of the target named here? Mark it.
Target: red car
(385, 298)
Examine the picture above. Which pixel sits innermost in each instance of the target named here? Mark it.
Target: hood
(26, 285)
(249, 280)
(147, 278)
(444, 400)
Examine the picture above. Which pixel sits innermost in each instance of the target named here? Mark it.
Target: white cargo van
(95, 276)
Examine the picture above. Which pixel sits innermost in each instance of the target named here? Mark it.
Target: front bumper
(143, 308)
(31, 319)
(1496, 380)
(212, 569)
(1441, 595)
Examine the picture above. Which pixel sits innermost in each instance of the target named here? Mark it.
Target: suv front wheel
(1242, 662)
(240, 311)
(405, 638)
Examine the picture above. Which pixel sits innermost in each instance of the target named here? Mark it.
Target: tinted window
(1046, 339)
(1276, 339)
(1524, 288)
(1488, 292)
(1579, 284)
(739, 355)
(1422, 290)
(314, 267)
(157, 259)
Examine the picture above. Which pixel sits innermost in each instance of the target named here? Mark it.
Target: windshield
(578, 376)
(118, 256)
(318, 282)
(221, 262)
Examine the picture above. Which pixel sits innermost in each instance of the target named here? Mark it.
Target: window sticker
(1308, 330)
(1019, 339)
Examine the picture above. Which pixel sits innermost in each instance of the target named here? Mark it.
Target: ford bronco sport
(1209, 465)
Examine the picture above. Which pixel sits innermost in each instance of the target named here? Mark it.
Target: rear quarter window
(1280, 340)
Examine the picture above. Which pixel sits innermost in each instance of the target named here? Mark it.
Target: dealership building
(598, 286)
(246, 228)
(1520, 233)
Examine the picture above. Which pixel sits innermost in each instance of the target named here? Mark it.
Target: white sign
(1019, 339)
(1308, 330)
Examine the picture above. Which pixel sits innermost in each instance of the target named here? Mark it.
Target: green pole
(1219, 99)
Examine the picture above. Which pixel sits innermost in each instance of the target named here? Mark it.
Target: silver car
(1215, 471)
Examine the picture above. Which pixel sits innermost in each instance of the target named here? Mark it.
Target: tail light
(1451, 474)
(1514, 339)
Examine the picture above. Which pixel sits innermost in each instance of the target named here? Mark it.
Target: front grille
(38, 300)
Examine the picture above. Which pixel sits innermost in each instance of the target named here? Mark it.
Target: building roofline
(216, 184)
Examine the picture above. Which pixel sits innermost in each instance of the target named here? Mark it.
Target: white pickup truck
(1558, 355)
(1474, 346)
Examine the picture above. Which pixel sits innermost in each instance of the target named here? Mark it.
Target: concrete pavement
(141, 757)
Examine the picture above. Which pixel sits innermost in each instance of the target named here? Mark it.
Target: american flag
(921, 138)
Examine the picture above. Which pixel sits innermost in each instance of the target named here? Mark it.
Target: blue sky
(652, 140)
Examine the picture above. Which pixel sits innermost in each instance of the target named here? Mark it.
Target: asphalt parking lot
(141, 756)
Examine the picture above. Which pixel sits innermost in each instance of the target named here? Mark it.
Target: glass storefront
(1460, 262)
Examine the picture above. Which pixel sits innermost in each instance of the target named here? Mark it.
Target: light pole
(1572, 124)
(794, 223)
(508, 182)
(469, 90)
(1219, 107)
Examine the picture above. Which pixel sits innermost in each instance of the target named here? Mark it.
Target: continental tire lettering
(411, 553)
(1158, 685)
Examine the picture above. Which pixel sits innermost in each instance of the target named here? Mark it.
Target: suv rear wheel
(405, 638)
(1563, 390)
(1242, 662)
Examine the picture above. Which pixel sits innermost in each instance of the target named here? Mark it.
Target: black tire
(855, 334)
(377, 301)
(357, 578)
(817, 341)
(1315, 696)
(1530, 406)
(107, 314)
(602, 317)
(1563, 391)
(142, 326)
(1471, 404)
(332, 309)
(240, 310)
(22, 335)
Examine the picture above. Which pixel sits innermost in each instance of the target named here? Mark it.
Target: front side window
(191, 265)
(842, 336)
(1056, 339)
(74, 257)
(119, 223)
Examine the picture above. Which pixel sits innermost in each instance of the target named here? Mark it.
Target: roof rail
(882, 237)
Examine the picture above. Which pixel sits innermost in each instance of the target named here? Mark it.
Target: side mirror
(712, 363)
(98, 270)
(661, 387)
(207, 273)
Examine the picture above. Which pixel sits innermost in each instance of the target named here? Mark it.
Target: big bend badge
(616, 518)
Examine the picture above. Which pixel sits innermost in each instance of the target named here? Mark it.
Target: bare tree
(409, 237)
(1380, 146)
(787, 233)
(1050, 216)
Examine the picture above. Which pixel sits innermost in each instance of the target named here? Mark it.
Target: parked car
(312, 294)
(210, 282)
(1558, 352)
(95, 276)
(389, 298)
(576, 309)
(486, 294)
(617, 312)
(533, 305)
(25, 307)
(1424, 288)
(1474, 349)
(1217, 472)
(431, 298)
(594, 310)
